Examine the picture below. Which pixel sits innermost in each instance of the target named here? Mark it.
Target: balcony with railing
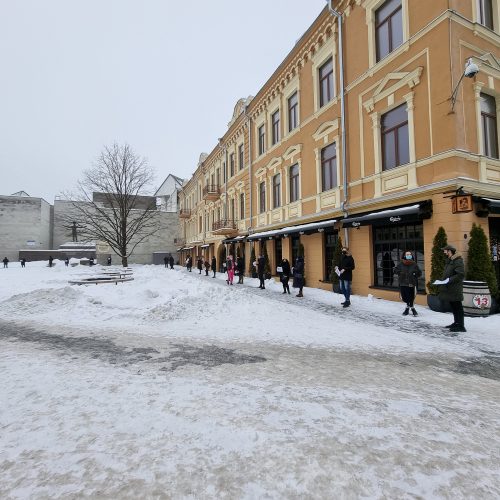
(226, 227)
(185, 213)
(211, 192)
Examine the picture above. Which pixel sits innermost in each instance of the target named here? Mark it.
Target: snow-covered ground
(176, 385)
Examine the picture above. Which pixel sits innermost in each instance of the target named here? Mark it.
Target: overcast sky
(162, 75)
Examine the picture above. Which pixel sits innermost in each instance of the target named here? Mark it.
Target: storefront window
(278, 251)
(330, 242)
(295, 247)
(389, 244)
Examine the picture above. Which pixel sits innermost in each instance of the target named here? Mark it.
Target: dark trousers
(240, 278)
(261, 279)
(214, 274)
(458, 313)
(407, 295)
(284, 282)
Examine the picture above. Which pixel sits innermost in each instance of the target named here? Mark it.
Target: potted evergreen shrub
(251, 268)
(300, 252)
(337, 255)
(267, 266)
(479, 262)
(438, 263)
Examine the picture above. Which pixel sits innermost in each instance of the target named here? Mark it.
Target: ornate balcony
(184, 213)
(225, 227)
(211, 192)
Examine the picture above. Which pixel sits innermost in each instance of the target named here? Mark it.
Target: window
(486, 13)
(329, 167)
(231, 164)
(294, 183)
(489, 125)
(326, 83)
(242, 206)
(262, 139)
(277, 191)
(330, 242)
(224, 172)
(241, 156)
(389, 243)
(278, 251)
(262, 197)
(232, 214)
(217, 176)
(293, 112)
(275, 119)
(295, 247)
(388, 27)
(395, 142)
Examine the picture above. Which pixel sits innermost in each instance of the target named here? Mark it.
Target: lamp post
(470, 71)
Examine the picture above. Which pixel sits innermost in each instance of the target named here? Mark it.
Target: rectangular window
(294, 183)
(489, 124)
(326, 83)
(329, 167)
(262, 197)
(277, 191)
(486, 13)
(241, 157)
(231, 165)
(330, 243)
(395, 141)
(242, 206)
(275, 119)
(293, 112)
(388, 27)
(389, 244)
(262, 139)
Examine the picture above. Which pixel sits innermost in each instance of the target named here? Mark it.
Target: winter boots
(347, 303)
(407, 311)
(414, 311)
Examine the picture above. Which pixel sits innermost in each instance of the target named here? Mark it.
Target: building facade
(378, 142)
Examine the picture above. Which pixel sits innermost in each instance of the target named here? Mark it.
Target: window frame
(262, 197)
(394, 131)
(275, 127)
(493, 119)
(293, 111)
(390, 38)
(329, 77)
(331, 164)
(294, 181)
(261, 138)
(241, 156)
(277, 190)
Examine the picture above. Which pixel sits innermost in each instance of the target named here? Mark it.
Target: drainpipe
(249, 121)
(338, 15)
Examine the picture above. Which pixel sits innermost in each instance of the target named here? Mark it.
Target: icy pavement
(111, 393)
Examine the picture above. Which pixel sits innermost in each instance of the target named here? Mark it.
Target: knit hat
(451, 248)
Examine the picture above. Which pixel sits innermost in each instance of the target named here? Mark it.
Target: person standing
(5, 262)
(165, 261)
(52, 258)
(298, 275)
(240, 266)
(91, 261)
(285, 275)
(171, 262)
(23, 262)
(452, 290)
(199, 264)
(387, 269)
(66, 262)
(207, 266)
(189, 263)
(109, 260)
(261, 269)
(213, 265)
(408, 272)
(230, 270)
(345, 275)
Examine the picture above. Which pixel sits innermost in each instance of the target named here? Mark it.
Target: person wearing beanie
(452, 290)
(408, 272)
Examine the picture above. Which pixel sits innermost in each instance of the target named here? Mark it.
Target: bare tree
(109, 203)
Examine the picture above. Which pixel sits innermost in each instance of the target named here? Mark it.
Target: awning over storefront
(188, 248)
(310, 228)
(411, 213)
(180, 249)
(206, 245)
(238, 239)
(492, 205)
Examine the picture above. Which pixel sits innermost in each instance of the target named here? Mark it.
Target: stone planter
(477, 298)
(438, 305)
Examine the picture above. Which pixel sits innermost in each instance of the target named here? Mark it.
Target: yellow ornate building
(380, 112)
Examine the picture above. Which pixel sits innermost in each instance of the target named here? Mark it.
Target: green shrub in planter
(479, 262)
(337, 255)
(251, 268)
(267, 266)
(438, 260)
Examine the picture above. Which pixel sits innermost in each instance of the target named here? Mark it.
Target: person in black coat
(240, 266)
(189, 263)
(261, 269)
(52, 258)
(285, 275)
(298, 275)
(408, 272)
(171, 262)
(345, 275)
(206, 264)
(23, 262)
(165, 261)
(199, 264)
(213, 265)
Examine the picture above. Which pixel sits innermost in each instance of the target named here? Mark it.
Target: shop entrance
(494, 228)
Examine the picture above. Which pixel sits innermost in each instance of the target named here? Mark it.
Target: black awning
(238, 239)
(491, 205)
(310, 228)
(406, 214)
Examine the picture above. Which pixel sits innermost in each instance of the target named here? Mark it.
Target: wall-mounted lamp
(470, 71)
